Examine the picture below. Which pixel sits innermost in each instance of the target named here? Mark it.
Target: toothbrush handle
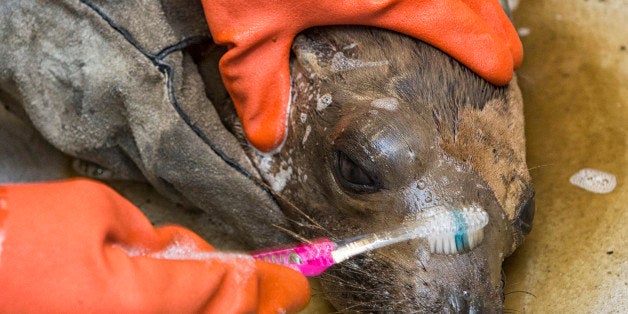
(311, 259)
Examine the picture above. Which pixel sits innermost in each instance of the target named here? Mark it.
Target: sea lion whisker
(540, 166)
(370, 307)
(345, 309)
(519, 291)
(353, 287)
(299, 211)
(382, 258)
(383, 280)
(361, 273)
(356, 288)
(342, 280)
(355, 269)
(309, 226)
(370, 292)
(292, 234)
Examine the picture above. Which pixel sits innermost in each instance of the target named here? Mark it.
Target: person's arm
(78, 246)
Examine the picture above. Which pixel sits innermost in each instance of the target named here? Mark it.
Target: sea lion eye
(352, 176)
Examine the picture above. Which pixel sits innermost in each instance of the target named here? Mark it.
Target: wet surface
(574, 86)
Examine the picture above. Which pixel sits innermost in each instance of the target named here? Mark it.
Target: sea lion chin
(381, 127)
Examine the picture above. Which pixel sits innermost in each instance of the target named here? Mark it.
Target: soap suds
(351, 46)
(523, 31)
(280, 179)
(593, 180)
(308, 129)
(340, 63)
(264, 162)
(388, 103)
(182, 249)
(323, 102)
(513, 4)
(276, 178)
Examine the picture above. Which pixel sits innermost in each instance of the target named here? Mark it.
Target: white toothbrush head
(453, 231)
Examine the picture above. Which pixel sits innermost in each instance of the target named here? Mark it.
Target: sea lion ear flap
(314, 52)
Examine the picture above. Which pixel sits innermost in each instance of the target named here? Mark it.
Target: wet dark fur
(454, 132)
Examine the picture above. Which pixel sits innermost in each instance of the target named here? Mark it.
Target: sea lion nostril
(526, 215)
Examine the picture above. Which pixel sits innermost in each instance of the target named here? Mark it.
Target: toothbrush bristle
(456, 231)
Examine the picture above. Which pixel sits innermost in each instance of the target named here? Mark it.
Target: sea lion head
(381, 128)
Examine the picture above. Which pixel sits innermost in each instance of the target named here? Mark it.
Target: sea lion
(381, 127)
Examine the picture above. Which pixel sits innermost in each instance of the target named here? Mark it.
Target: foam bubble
(323, 102)
(340, 63)
(388, 103)
(181, 250)
(513, 4)
(281, 179)
(593, 180)
(308, 129)
(276, 175)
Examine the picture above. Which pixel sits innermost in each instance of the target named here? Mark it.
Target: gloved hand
(259, 34)
(77, 246)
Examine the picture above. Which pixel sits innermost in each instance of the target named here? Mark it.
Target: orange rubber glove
(77, 246)
(259, 34)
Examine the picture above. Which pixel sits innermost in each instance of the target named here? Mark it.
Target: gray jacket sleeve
(114, 83)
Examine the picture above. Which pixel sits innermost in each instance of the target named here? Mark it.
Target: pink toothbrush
(311, 259)
(447, 231)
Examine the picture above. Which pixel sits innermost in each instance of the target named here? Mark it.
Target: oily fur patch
(491, 140)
